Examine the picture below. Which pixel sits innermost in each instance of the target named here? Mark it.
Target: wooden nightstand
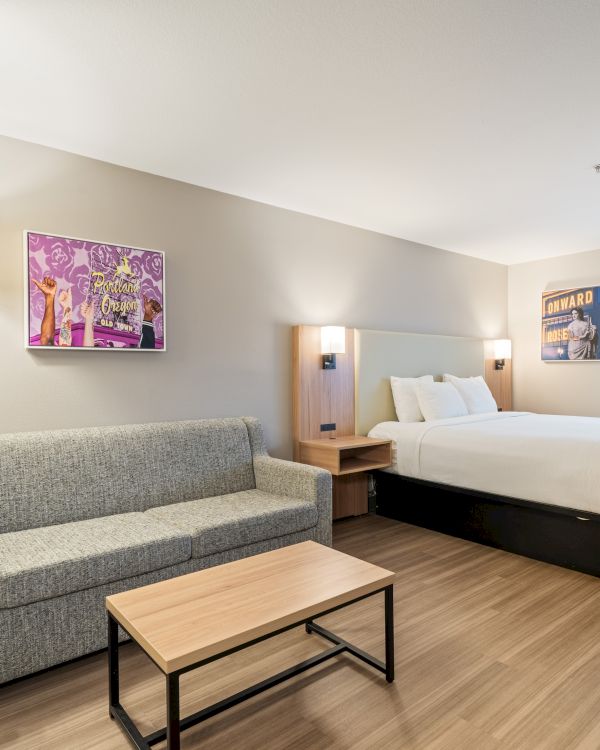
(348, 459)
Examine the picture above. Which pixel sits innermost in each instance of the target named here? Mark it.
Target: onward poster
(570, 319)
(83, 294)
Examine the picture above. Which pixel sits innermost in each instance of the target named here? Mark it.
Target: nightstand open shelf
(352, 464)
(347, 458)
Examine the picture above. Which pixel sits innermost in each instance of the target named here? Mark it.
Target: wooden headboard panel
(379, 354)
(318, 395)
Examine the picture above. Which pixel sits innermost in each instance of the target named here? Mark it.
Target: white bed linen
(540, 457)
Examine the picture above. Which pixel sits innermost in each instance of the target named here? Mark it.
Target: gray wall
(239, 274)
(552, 387)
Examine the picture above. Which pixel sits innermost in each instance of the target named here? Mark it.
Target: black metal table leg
(173, 727)
(113, 664)
(389, 633)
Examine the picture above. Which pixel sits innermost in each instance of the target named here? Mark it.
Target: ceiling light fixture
(597, 167)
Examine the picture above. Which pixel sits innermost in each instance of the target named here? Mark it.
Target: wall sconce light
(333, 341)
(502, 351)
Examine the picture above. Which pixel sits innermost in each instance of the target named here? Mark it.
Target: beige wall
(239, 274)
(552, 387)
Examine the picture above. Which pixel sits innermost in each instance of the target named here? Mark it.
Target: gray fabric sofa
(91, 512)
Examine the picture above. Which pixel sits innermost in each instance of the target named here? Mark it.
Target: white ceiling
(471, 125)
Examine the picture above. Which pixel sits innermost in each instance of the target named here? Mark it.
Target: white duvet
(540, 457)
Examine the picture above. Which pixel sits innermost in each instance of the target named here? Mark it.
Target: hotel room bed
(541, 458)
(526, 483)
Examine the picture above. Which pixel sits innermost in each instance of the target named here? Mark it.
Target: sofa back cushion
(69, 475)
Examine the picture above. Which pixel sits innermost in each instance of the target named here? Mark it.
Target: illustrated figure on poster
(48, 288)
(152, 308)
(87, 310)
(582, 336)
(65, 335)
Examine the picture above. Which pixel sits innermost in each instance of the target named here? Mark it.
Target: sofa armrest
(291, 479)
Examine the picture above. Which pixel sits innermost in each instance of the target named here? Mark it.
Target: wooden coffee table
(189, 621)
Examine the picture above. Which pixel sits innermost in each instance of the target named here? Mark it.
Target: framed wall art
(570, 319)
(82, 294)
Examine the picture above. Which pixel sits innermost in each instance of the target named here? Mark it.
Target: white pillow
(440, 401)
(475, 393)
(405, 398)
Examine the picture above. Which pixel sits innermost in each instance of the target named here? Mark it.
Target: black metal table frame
(175, 725)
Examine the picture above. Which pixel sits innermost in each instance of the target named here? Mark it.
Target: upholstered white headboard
(379, 354)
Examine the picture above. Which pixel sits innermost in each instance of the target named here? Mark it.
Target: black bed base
(561, 536)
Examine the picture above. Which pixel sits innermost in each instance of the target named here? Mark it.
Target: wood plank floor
(492, 651)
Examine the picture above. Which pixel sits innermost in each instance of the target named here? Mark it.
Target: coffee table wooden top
(190, 618)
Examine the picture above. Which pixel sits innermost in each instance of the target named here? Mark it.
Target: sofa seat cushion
(221, 523)
(42, 563)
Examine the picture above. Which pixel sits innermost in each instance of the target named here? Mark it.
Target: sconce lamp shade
(333, 340)
(502, 349)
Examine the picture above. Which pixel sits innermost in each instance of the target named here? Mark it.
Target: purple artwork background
(70, 263)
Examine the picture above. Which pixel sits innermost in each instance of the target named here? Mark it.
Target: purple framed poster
(88, 295)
